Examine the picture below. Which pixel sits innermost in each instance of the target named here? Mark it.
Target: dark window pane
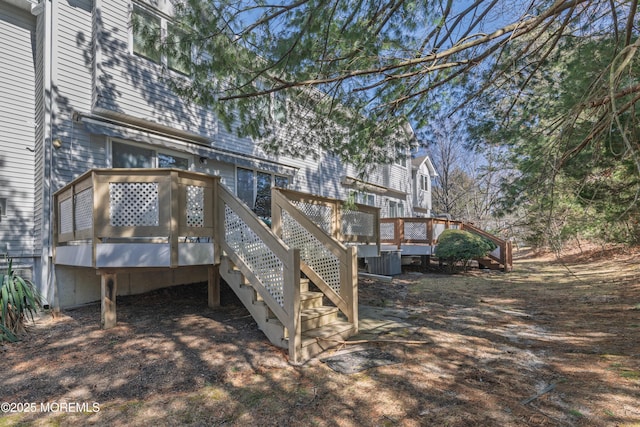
(281, 181)
(244, 186)
(178, 50)
(130, 156)
(169, 161)
(263, 197)
(146, 34)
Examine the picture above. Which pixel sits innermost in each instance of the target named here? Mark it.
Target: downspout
(47, 278)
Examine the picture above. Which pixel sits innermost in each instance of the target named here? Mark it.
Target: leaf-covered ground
(554, 343)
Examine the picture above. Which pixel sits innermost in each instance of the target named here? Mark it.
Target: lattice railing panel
(437, 230)
(356, 223)
(66, 216)
(266, 266)
(195, 206)
(84, 209)
(321, 260)
(387, 231)
(321, 215)
(134, 204)
(415, 230)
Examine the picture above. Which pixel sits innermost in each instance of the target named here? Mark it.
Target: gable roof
(417, 162)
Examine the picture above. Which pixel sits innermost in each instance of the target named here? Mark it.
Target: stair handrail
(338, 225)
(505, 257)
(346, 299)
(288, 311)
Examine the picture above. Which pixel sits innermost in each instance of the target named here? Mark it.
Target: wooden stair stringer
(489, 263)
(269, 325)
(322, 327)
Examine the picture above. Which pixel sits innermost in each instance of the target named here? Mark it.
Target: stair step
(304, 285)
(317, 340)
(321, 325)
(489, 263)
(312, 318)
(310, 299)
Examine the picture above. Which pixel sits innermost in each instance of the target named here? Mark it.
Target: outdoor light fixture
(57, 143)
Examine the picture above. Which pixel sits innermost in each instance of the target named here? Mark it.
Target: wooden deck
(419, 237)
(123, 220)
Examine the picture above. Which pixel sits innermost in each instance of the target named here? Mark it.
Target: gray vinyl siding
(17, 129)
(72, 88)
(229, 140)
(422, 198)
(130, 85)
(39, 134)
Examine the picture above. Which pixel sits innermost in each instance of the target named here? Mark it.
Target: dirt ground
(554, 343)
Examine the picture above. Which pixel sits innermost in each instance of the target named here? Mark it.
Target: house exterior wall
(17, 131)
(71, 60)
(422, 198)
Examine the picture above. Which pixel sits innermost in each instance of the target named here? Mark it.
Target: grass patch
(624, 372)
(629, 374)
(576, 413)
(131, 405)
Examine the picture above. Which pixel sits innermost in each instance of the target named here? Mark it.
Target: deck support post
(108, 285)
(425, 261)
(213, 289)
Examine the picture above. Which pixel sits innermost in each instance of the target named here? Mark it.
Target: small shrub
(456, 246)
(19, 299)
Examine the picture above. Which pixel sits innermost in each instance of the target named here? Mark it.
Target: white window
(425, 183)
(178, 50)
(146, 33)
(148, 28)
(365, 199)
(396, 209)
(254, 189)
(124, 155)
(278, 108)
(400, 159)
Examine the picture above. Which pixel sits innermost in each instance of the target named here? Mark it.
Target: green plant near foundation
(19, 300)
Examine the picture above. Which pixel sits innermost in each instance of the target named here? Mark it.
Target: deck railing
(355, 224)
(105, 208)
(503, 253)
(272, 267)
(329, 264)
(113, 219)
(399, 231)
(426, 231)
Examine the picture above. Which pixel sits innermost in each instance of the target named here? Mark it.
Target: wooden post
(337, 223)
(108, 284)
(276, 212)
(291, 289)
(214, 285)
(217, 237)
(425, 260)
(352, 284)
(174, 215)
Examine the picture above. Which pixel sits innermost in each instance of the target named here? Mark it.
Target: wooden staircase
(489, 263)
(321, 326)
